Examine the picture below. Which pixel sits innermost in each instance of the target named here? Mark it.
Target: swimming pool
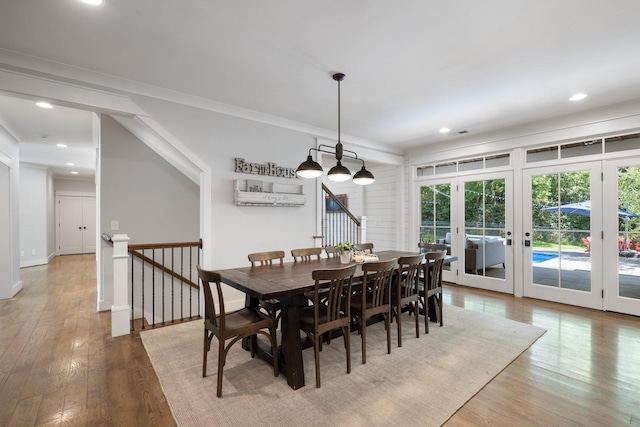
(537, 257)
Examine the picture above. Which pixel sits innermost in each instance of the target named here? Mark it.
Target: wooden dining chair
(406, 290)
(306, 254)
(331, 293)
(271, 306)
(332, 252)
(363, 247)
(234, 326)
(431, 285)
(374, 298)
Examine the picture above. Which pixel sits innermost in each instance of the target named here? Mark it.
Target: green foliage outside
(484, 208)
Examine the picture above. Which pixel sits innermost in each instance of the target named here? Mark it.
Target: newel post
(120, 310)
(363, 229)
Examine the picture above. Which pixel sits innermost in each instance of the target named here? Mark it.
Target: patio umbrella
(584, 209)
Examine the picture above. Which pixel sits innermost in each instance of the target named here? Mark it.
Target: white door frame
(593, 298)
(612, 300)
(479, 281)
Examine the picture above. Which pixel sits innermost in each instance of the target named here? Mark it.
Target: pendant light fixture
(312, 169)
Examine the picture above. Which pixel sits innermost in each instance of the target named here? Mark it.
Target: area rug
(423, 382)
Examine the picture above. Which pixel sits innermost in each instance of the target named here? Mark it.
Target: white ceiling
(412, 66)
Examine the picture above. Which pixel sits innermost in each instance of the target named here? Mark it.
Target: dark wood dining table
(288, 282)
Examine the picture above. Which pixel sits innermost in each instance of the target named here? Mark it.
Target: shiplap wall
(381, 208)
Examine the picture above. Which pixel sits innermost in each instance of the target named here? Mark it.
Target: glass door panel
(622, 251)
(435, 218)
(559, 223)
(485, 244)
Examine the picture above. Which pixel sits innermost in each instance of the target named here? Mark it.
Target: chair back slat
(433, 247)
(306, 254)
(266, 258)
(363, 247)
(206, 278)
(332, 286)
(433, 272)
(332, 252)
(409, 269)
(377, 279)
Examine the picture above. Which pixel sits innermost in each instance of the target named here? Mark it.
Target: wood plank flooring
(59, 364)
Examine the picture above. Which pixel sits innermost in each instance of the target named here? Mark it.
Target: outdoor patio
(576, 267)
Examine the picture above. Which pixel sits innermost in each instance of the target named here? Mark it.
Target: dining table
(288, 282)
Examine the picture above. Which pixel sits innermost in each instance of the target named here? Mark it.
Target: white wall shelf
(249, 192)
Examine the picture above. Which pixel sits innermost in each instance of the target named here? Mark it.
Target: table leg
(291, 343)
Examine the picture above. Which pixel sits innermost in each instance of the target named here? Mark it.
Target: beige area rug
(424, 382)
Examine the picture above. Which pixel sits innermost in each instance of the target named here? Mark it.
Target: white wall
(33, 216)
(151, 200)
(10, 282)
(218, 139)
(74, 186)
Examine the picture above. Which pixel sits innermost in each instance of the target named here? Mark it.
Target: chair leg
(316, 351)
(387, 320)
(347, 343)
(440, 307)
(399, 322)
(425, 308)
(205, 353)
(220, 366)
(363, 338)
(415, 314)
(274, 349)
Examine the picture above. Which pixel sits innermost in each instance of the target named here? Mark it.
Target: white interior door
(88, 225)
(622, 236)
(76, 225)
(485, 236)
(563, 237)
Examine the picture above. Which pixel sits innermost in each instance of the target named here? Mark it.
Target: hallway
(59, 364)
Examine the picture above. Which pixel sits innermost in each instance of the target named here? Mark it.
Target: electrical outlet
(33, 251)
(21, 253)
(115, 225)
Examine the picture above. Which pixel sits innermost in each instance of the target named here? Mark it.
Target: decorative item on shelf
(312, 169)
(248, 192)
(346, 251)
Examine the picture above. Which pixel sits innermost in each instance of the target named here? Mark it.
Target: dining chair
(431, 285)
(374, 299)
(363, 247)
(306, 254)
(332, 252)
(271, 306)
(332, 293)
(234, 326)
(406, 290)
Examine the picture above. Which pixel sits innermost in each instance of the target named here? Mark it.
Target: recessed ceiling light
(43, 104)
(61, 145)
(71, 164)
(445, 130)
(93, 2)
(578, 97)
(74, 173)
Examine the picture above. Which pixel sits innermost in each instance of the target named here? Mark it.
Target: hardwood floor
(59, 364)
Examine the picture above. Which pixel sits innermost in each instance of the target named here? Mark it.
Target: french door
(563, 236)
(485, 210)
(622, 224)
(473, 216)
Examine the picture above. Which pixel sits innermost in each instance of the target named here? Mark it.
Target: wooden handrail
(342, 206)
(167, 270)
(165, 245)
